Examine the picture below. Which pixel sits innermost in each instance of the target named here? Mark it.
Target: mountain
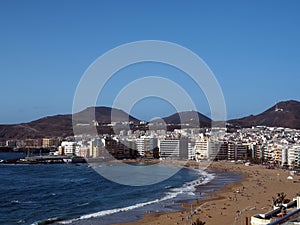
(61, 125)
(283, 114)
(50, 126)
(103, 115)
(188, 117)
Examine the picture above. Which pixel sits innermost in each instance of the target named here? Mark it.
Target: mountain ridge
(283, 114)
(188, 117)
(61, 125)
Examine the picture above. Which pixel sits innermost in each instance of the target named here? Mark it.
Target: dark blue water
(31, 193)
(17, 155)
(11, 155)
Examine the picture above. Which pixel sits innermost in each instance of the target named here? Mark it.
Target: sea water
(68, 193)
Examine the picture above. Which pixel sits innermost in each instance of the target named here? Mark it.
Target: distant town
(161, 139)
(277, 145)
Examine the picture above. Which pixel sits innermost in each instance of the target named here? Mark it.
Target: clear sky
(253, 48)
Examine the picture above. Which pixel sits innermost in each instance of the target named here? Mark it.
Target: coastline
(172, 200)
(236, 201)
(249, 191)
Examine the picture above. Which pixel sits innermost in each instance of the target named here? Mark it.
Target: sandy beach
(237, 201)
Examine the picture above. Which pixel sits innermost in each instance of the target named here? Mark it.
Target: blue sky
(253, 48)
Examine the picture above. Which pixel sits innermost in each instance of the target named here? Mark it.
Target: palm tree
(280, 199)
(198, 222)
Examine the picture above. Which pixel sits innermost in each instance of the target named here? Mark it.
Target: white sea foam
(117, 210)
(190, 187)
(187, 188)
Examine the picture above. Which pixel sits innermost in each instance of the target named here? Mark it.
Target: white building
(201, 149)
(145, 144)
(293, 155)
(174, 148)
(95, 147)
(209, 149)
(191, 150)
(69, 147)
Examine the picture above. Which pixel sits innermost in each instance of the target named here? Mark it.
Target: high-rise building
(218, 150)
(237, 151)
(120, 149)
(191, 150)
(277, 152)
(284, 156)
(174, 148)
(209, 149)
(145, 144)
(95, 147)
(293, 155)
(201, 149)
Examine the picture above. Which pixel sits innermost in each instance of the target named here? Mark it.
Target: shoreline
(233, 203)
(186, 194)
(236, 201)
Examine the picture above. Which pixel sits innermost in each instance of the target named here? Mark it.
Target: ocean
(77, 194)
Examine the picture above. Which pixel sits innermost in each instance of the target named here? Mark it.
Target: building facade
(174, 148)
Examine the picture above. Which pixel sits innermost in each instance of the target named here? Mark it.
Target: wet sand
(235, 202)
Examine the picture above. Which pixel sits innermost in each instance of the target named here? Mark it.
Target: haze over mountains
(283, 114)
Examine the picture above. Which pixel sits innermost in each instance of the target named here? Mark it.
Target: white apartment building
(201, 149)
(208, 149)
(95, 146)
(69, 147)
(277, 153)
(174, 148)
(191, 150)
(293, 155)
(144, 144)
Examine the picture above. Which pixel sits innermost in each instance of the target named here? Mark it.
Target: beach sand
(235, 202)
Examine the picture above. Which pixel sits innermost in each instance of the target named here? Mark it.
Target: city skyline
(252, 49)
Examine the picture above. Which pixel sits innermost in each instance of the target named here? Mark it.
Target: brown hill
(189, 117)
(103, 115)
(51, 126)
(61, 125)
(283, 114)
